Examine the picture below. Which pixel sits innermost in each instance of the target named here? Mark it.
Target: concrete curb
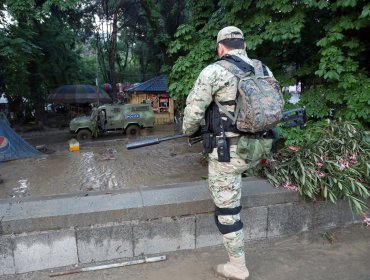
(54, 231)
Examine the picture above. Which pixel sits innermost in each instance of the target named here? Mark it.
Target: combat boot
(234, 269)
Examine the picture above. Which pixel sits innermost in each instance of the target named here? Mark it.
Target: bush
(332, 162)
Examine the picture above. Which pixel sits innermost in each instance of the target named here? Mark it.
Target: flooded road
(102, 164)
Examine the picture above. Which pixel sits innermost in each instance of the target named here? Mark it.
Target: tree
(319, 43)
(38, 52)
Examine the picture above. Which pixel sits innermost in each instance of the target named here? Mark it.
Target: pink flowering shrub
(289, 186)
(366, 220)
(332, 166)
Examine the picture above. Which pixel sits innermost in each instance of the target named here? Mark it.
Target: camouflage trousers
(225, 187)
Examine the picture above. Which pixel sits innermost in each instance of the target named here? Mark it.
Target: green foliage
(45, 44)
(319, 43)
(38, 52)
(16, 52)
(332, 162)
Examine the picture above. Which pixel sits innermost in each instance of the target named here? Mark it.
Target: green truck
(126, 118)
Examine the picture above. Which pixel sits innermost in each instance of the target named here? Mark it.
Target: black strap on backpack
(242, 65)
(238, 62)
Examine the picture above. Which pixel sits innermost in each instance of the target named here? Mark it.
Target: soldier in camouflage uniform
(217, 83)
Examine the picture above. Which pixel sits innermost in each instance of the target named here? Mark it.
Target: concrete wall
(58, 231)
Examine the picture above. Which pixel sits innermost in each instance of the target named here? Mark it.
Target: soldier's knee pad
(225, 229)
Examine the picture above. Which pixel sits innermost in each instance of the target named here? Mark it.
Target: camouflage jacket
(214, 82)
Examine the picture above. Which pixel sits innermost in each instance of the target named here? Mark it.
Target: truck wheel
(84, 134)
(133, 130)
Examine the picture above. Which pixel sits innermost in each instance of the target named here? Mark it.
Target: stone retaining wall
(55, 231)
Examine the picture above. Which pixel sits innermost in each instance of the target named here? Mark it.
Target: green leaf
(325, 191)
(365, 11)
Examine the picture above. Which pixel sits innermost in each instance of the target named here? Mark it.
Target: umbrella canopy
(70, 94)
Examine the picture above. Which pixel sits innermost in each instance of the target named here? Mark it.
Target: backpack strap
(227, 113)
(240, 68)
(260, 68)
(236, 66)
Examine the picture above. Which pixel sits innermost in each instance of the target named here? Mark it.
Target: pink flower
(319, 164)
(366, 220)
(289, 186)
(324, 158)
(346, 163)
(353, 159)
(293, 148)
(321, 174)
(343, 164)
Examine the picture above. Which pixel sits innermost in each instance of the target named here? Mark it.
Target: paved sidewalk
(342, 254)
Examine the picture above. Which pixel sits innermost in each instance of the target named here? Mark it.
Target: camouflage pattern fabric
(213, 82)
(260, 104)
(216, 82)
(224, 179)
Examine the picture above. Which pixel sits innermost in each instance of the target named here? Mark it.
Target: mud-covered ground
(102, 164)
(307, 256)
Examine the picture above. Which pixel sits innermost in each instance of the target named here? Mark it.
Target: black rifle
(294, 117)
(291, 118)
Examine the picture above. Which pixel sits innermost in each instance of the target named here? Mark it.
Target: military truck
(126, 118)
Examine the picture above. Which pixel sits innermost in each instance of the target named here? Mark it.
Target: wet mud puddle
(103, 166)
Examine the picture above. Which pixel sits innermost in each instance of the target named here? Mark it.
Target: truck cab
(127, 118)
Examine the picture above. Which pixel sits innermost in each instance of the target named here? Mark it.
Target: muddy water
(102, 165)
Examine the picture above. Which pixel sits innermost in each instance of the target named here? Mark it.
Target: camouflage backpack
(259, 102)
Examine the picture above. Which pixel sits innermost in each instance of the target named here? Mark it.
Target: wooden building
(155, 92)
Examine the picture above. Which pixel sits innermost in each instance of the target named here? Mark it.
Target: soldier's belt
(231, 141)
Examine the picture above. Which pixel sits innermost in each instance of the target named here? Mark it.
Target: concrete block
(258, 192)
(206, 232)
(288, 219)
(176, 200)
(104, 243)
(65, 211)
(345, 214)
(6, 256)
(324, 214)
(45, 250)
(164, 235)
(255, 222)
(327, 214)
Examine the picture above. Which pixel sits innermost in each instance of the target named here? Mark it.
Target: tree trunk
(113, 54)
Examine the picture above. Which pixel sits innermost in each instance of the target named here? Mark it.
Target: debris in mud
(44, 149)
(109, 154)
(103, 166)
(329, 236)
(107, 158)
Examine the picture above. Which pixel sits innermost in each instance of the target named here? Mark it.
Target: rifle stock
(291, 118)
(294, 117)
